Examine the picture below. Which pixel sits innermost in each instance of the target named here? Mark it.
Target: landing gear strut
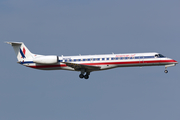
(165, 71)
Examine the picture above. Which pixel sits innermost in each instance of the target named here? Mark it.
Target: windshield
(159, 55)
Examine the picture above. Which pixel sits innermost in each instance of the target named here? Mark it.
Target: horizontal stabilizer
(14, 43)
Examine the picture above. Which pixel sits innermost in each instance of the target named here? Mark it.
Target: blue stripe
(27, 62)
(22, 54)
(148, 56)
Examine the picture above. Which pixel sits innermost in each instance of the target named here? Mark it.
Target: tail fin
(21, 51)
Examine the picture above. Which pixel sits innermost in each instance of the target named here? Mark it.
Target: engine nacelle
(52, 59)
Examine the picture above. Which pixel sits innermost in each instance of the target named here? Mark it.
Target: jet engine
(52, 59)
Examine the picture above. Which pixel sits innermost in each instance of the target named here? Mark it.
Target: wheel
(86, 76)
(166, 71)
(81, 76)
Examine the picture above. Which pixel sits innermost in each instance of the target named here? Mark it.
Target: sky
(89, 27)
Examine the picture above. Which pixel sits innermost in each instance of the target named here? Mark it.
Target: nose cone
(174, 61)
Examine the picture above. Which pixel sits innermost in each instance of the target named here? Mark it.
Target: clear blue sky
(90, 27)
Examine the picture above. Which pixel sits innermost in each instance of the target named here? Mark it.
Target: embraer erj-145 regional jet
(88, 63)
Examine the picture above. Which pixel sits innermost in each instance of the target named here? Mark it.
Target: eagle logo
(23, 53)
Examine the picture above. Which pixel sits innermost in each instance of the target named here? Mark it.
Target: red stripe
(48, 66)
(108, 63)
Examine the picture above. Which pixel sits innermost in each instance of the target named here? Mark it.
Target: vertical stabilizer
(21, 51)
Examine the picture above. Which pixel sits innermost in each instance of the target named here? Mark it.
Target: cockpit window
(159, 55)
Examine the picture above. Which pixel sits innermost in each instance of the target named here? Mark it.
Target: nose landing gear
(166, 71)
(166, 66)
(170, 65)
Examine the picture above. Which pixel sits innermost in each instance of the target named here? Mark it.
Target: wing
(81, 66)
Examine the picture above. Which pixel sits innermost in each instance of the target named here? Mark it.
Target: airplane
(86, 64)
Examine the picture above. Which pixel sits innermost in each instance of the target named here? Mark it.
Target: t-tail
(21, 51)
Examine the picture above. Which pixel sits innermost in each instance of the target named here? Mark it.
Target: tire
(86, 76)
(81, 76)
(166, 71)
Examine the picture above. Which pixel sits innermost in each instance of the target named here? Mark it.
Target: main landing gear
(86, 76)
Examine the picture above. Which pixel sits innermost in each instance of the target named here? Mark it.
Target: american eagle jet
(86, 64)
